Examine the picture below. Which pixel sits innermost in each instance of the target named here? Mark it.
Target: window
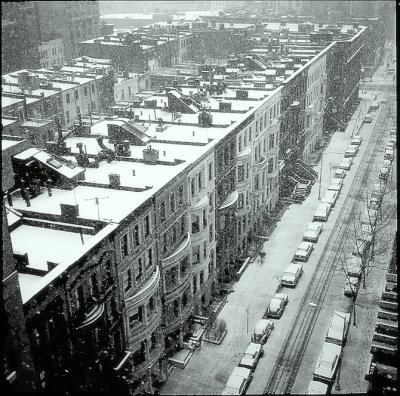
(93, 89)
(240, 173)
(201, 277)
(195, 224)
(176, 308)
(196, 254)
(76, 93)
(162, 211)
(147, 226)
(210, 171)
(250, 137)
(211, 201)
(193, 186)
(122, 94)
(256, 126)
(211, 262)
(165, 242)
(136, 240)
(173, 235)
(195, 284)
(257, 182)
(270, 165)
(245, 138)
(139, 270)
(240, 144)
(128, 279)
(240, 201)
(85, 91)
(150, 257)
(180, 195)
(200, 180)
(204, 250)
(129, 91)
(95, 285)
(136, 317)
(204, 218)
(172, 203)
(271, 141)
(125, 250)
(183, 228)
(80, 297)
(67, 97)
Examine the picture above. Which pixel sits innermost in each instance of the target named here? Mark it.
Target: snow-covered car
(346, 163)
(351, 151)
(316, 388)
(251, 356)
(292, 275)
(362, 245)
(368, 118)
(238, 381)
(338, 328)
(384, 173)
(330, 197)
(336, 185)
(351, 286)
(356, 140)
(389, 146)
(322, 212)
(389, 155)
(369, 216)
(393, 139)
(277, 305)
(313, 231)
(387, 164)
(327, 363)
(340, 174)
(262, 331)
(354, 266)
(304, 250)
(378, 190)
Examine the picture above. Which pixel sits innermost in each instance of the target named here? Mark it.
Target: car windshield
(275, 304)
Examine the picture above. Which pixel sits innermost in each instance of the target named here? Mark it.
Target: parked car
(251, 356)
(327, 363)
(292, 275)
(393, 132)
(368, 118)
(351, 151)
(340, 174)
(378, 190)
(262, 331)
(393, 139)
(313, 231)
(322, 212)
(346, 163)
(362, 245)
(351, 286)
(356, 140)
(238, 381)
(303, 252)
(384, 173)
(374, 203)
(316, 388)
(277, 305)
(374, 106)
(354, 266)
(330, 197)
(336, 185)
(387, 164)
(369, 216)
(389, 155)
(338, 328)
(389, 146)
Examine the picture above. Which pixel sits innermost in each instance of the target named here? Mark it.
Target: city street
(210, 367)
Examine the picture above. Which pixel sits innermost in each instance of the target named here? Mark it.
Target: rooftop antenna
(96, 199)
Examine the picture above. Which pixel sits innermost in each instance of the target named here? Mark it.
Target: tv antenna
(96, 199)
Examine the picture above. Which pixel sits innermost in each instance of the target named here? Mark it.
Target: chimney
(69, 213)
(133, 172)
(150, 156)
(115, 180)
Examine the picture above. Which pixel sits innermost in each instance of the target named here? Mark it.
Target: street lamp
(320, 173)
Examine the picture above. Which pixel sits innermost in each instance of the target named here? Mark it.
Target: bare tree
(370, 233)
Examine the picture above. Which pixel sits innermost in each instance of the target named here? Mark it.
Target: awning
(230, 200)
